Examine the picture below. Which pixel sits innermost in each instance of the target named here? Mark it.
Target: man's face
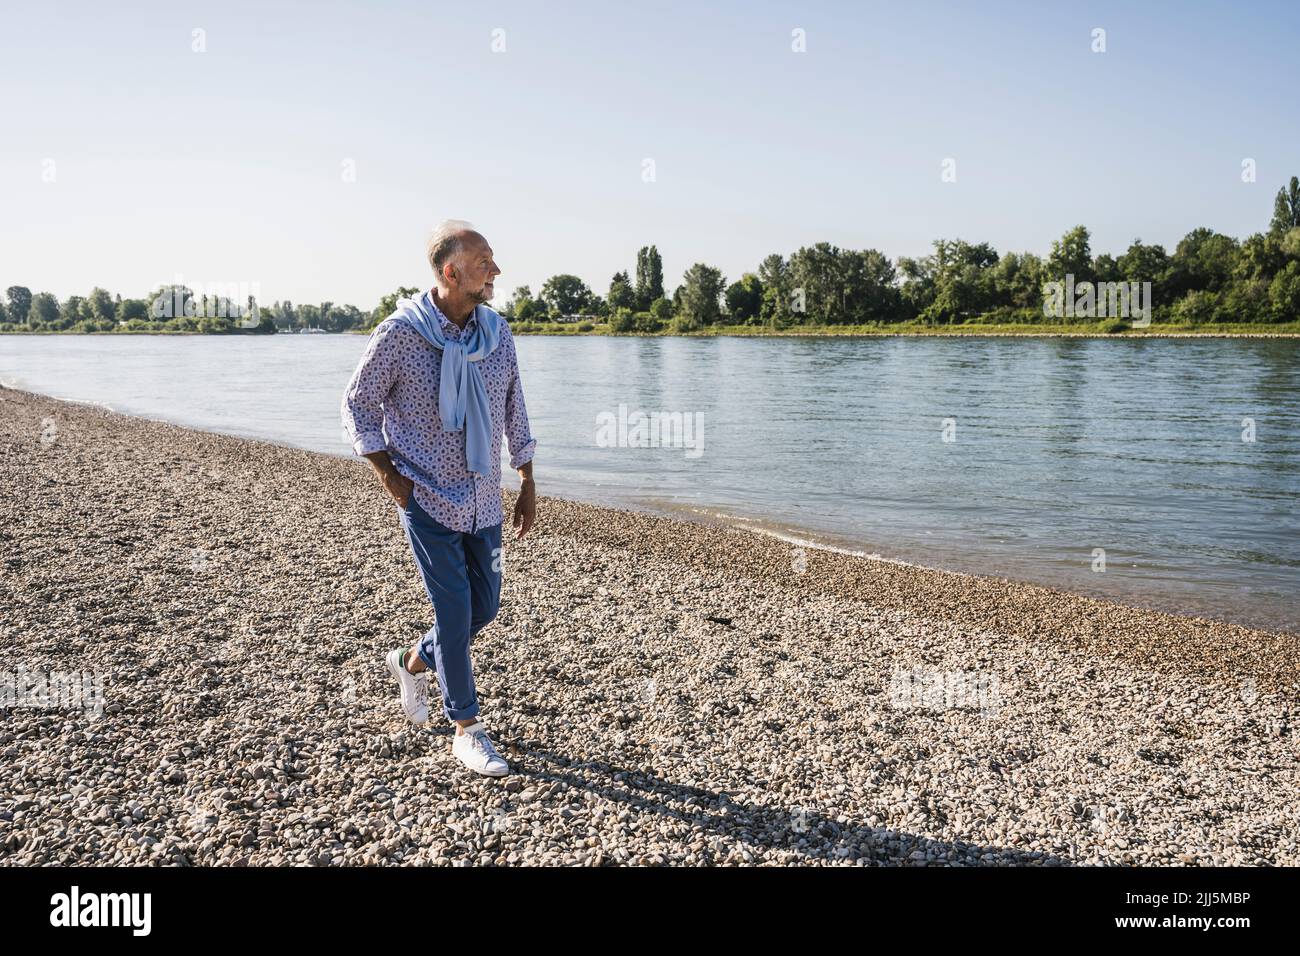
(475, 269)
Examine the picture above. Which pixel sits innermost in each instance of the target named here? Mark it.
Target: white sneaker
(415, 688)
(474, 750)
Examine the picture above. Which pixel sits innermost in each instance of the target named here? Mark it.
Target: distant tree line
(173, 308)
(1208, 278)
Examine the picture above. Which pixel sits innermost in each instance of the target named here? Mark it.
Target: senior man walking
(428, 404)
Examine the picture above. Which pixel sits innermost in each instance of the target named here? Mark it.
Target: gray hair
(447, 241)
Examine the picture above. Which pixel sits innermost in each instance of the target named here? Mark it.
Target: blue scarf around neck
(462, 396)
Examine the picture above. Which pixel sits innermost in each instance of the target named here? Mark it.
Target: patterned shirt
(391, 404)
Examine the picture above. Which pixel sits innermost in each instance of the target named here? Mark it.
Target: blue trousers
(461, 572)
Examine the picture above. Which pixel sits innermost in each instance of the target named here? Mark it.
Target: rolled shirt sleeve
(518, 435)
(371, 383)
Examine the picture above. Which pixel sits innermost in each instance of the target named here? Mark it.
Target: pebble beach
(667, 693)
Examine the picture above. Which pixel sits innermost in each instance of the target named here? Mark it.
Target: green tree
(649, 276)
(20, 302)
(532, 310)
(1203, 261)
(958, 281)
(1196, 308)
(133, 309)
(72, 311)
(44, 310)
(1071, 256)
(815, 281)
(702, 288)
(1247, 300)
(102, 307)
(1143, 263)
(774, 277)
(1291, 244)
(870, 284)
(1259, 258)
(339, 318)
(646, 323)
(325, 318)
(1018, 281)
(1286, 209)
(744, 299)
(386, 307)
(169, 304)
(521, 294)
(1284, 293)
(918, 284)
(566, 294)
(621, 294)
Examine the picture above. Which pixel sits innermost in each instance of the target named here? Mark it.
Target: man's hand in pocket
(398, 486)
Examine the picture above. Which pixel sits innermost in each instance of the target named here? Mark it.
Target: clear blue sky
(226, 166)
